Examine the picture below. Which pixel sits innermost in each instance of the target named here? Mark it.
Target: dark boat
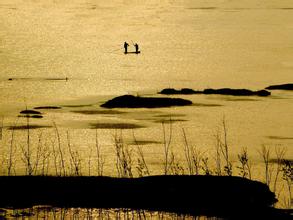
(133, 52)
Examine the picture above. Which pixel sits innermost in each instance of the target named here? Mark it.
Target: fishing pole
(116, 50)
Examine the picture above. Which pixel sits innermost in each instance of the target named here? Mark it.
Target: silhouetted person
(136, 48)
(125, 46)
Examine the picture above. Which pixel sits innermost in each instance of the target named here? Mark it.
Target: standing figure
(125, 47)
(136, 48)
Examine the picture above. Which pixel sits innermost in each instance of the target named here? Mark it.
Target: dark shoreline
(196, 195)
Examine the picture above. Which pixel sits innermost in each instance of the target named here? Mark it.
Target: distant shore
(224, 91)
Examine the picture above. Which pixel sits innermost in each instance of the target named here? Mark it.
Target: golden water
(70, 54)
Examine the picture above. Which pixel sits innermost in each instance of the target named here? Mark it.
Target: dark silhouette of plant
(174, 166)
(123, 157)
(100, 159)
(45, 158)
(167, 146)
(142, 167)
(27, 153)
(63, 170)
(12, 149)
(222, 150)
(288, 177)
(280, 153)
(75, 160)
(245, 166)
(188, 154)
(1, 127)
(205, 166)
(265, 154)
(192, 156)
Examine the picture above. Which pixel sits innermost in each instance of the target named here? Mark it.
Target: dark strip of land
(224, 196)
(288, 86)
(224, 91)
(47, 107)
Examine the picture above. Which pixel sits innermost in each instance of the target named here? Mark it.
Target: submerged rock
(47, 107)
(129, 101)
(224, 91)
(30, 114)
(28, 111)
(288, 86)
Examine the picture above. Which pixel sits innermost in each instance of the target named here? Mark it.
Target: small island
(223, 91)
(130, 101)
(288, 86)
(28, 113)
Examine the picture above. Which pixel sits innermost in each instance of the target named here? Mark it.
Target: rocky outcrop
(129, 101)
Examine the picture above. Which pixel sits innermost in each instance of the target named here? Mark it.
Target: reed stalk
(142, 166)
(38, 154)
(28, 152)
(75, 159)
(11, 160)
(63, 170)
(265, 154)
(100, 158)
(187, 152)
(1, 127)
(280, 153)
(123, 157)
(167, 146)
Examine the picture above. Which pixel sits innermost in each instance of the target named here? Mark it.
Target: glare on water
(70, 54)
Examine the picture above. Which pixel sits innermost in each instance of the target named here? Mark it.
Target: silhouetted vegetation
(61, 161)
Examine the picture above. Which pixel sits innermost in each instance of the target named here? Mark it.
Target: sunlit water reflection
(70, 55)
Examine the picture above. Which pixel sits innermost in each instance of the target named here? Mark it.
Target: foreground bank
(222, 196)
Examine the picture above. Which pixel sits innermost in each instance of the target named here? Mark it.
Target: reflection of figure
(136, 48)
(125, 46)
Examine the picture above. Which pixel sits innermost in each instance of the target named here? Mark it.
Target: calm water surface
(70, 54)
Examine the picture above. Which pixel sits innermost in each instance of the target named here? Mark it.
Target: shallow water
(45, 212)
(70, 54)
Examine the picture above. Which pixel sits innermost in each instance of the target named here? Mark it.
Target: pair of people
(126, 47)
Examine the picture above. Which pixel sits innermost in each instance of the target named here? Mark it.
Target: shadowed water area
(66, 58)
